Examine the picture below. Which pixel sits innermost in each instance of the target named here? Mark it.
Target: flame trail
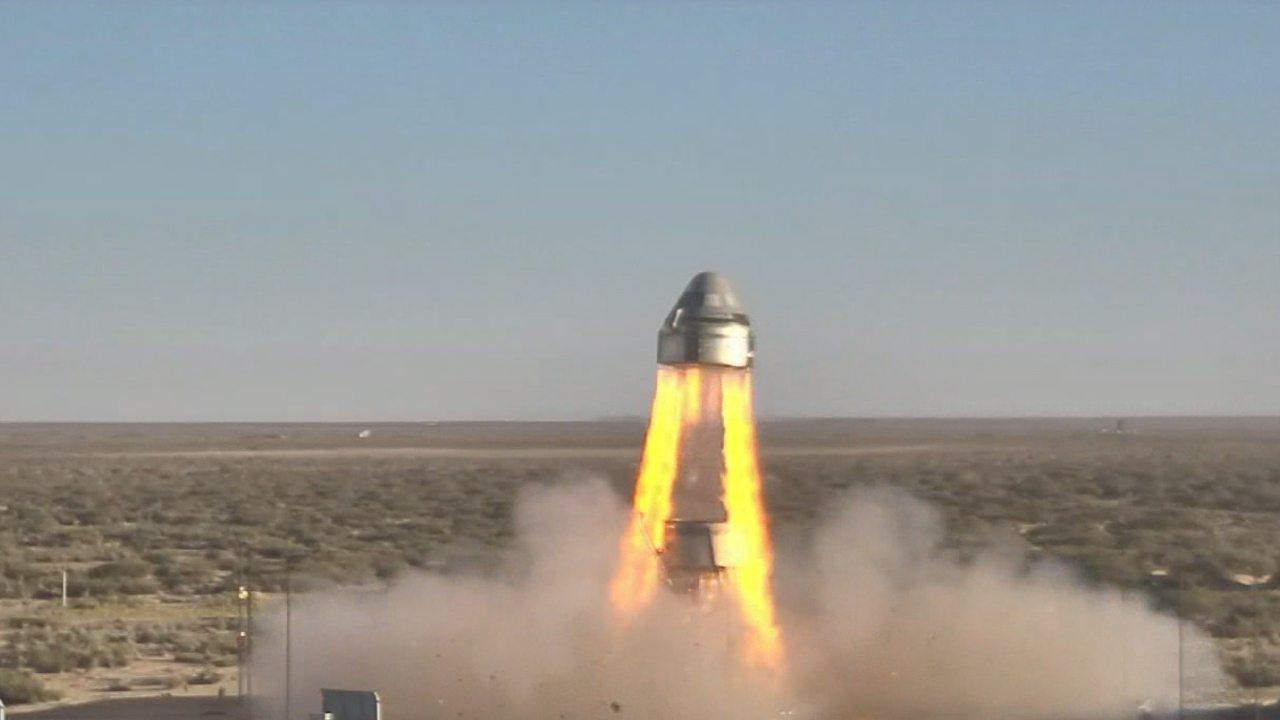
(637, 575)
(745, 508)
(678, 407)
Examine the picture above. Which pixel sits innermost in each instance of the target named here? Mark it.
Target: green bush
(120, 569)
(22, 622)
(138, 586)
(1264, 672)
(50, 650)
(19, 688)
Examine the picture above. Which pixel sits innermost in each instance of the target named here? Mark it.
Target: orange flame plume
(745, 508)
(677, 408)
(637, 575)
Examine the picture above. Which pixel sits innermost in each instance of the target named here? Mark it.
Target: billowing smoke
(884, 625)
(901, 628)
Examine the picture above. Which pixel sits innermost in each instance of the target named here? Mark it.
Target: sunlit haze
(439, 211)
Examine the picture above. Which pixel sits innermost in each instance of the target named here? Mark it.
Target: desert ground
(156, 526)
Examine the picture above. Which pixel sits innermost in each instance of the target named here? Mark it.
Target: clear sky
(434, 211)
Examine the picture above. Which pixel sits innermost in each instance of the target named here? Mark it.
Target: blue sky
(362, 211)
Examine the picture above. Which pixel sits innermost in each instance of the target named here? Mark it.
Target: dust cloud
(900, 628)
(883, 625)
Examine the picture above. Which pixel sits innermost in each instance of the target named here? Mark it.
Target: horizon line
(637, 418)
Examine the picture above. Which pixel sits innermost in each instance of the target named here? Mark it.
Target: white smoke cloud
(903, 628)
(888, 627)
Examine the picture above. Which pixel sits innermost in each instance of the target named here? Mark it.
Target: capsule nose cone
(707, 326)
(709, 294)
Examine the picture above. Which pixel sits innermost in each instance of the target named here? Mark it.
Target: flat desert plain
(156, 525)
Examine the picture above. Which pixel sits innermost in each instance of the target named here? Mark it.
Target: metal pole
(1257, 679)
(64, 587)
(1124, 647)
(248, 633)
(239, 585)
(1181, 589)
(288, 639)
(242, 639)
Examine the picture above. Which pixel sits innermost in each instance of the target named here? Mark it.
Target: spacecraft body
(698, 556)
(707, 326)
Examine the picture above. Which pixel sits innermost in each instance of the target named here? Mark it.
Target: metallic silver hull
(697, 556)
(707, 327)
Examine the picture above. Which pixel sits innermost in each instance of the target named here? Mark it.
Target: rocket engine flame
(637, 575)
(744, 506)
(678, 408)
